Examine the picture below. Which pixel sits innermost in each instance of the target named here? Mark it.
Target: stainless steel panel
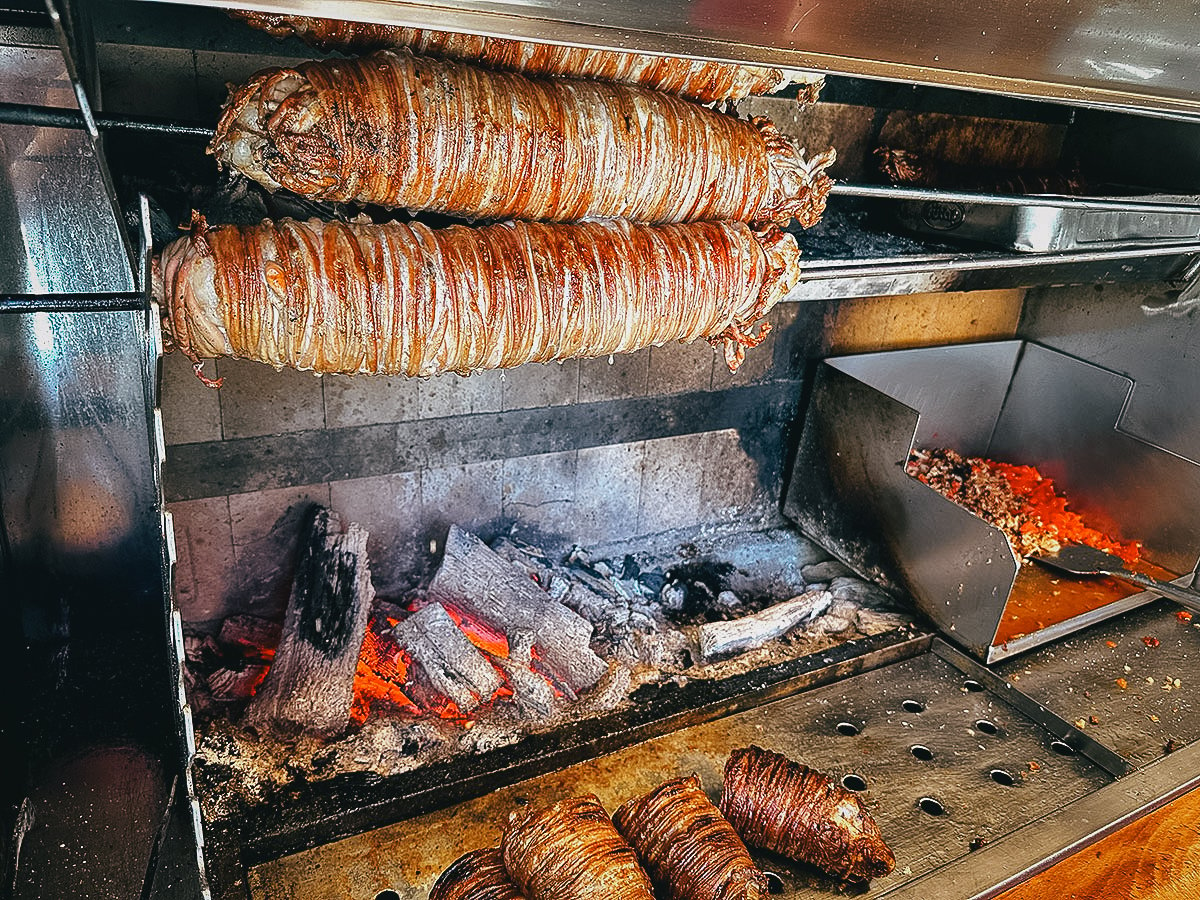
(1142, 54)
(1007, 400)
(58, 227)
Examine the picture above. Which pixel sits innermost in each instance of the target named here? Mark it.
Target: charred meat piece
(690, 850)
(403, 131)
(572, 851)
(918, 170)
(478, 875)
(701, 80)
(407, 299)
(797, 812)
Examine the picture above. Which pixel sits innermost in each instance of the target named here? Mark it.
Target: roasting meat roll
(790, 809)
(403, 131)
(407, 299)
(571, 851)
(478, 875)
(690, 850)
(700, 80)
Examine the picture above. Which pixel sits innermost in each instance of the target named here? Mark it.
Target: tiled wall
(583, 451)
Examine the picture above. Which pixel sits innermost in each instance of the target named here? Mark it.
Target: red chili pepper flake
(1183, 615)
(1110, 643)
(1150, 641)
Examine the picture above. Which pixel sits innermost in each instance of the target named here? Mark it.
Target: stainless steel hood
(1141, 55)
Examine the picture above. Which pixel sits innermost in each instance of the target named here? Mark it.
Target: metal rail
(55, 117)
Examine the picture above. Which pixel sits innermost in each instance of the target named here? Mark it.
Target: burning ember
(1017, 499)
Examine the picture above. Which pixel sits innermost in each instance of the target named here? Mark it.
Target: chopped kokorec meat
(478, 875)
(408, 299)
(701, 80)
(690, 850)
(783, 806)
(572, 851)
(423, 134)
(1017, 499)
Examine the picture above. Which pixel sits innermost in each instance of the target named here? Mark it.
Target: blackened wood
(474, 578)
(310, 685)
(450, 662)
(251, 634)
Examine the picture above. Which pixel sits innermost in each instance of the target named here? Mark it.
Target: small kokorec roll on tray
(478, 875)
(783, 806)
(572, 851)
(690, 850)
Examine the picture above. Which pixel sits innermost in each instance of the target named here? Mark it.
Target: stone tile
(256, 400)
(191, 411)
(729, 488)
(389, 507)
(608, 483)
(541, 384)
(540, 491)
(266, 528)
(370, 400)
(870, 324)
(614, 377)
(671, 477)
(204, 562)
(469, 496)
(456, 395)
(680, 368)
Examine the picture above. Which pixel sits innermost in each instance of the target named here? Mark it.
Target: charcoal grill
(109, 798)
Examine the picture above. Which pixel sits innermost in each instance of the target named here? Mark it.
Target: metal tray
(1055, 224)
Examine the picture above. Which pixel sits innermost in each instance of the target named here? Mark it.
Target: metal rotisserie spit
(586, 530)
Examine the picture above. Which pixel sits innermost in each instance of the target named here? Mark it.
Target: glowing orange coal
(480, 633)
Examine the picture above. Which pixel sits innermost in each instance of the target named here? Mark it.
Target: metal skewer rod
(56, 117)
(1109, 204)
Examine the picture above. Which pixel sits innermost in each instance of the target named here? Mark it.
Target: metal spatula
(1080, 559)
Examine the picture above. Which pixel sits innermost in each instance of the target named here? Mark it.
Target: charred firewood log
(690, 850)
(785, 807)
(572, 851)
(478, 875)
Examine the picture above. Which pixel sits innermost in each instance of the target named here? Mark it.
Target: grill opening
(854, 782)
(1062, 748)
(1002, 776)
(932, 806)
(849, 729)
(987, 727)
(913, 706)
(921, 752)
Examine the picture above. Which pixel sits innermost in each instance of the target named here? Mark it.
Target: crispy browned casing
(783, 806)
(478, 875)
(407, 299)
(422, 134)
(572, 851)
(701, 80)
(690, 850)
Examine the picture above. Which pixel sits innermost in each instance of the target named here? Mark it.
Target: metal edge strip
(1087, 746)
